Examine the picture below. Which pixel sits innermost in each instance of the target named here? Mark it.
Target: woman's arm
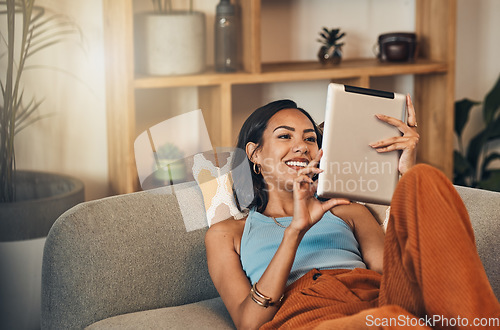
(231, 282)
(224, 263)
(367, 231)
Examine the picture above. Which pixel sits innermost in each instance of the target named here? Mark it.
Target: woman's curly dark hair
(252, 131)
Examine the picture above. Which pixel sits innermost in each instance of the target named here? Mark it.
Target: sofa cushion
(207, 314)
(125, 254)
(484, 211)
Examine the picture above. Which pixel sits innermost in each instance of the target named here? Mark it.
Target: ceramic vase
(171, 44)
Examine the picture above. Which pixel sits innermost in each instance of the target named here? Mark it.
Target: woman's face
(289, 144)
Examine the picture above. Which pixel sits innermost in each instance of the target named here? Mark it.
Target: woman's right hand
(307, 209)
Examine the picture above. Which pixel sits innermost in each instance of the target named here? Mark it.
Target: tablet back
(353, 169)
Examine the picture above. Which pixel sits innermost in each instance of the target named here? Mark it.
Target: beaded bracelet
(262, 300)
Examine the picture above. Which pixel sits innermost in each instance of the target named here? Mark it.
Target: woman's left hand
(407, 143)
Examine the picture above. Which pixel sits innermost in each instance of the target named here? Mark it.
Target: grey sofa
(137, 261)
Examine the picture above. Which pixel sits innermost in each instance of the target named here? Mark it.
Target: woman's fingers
(312, 168)
(407, 143)
(303, 181)
(329, 204)
(395, 143)
(392, 147)
(309, 170)
(401, 126)
(412, 117)
(403, 144)
(410, 137)
(332, 202)
(314, 163)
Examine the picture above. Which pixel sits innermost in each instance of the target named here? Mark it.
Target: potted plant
(472, 165)
(170, 42)
(331, 51)
(171, 167)
(30, 201)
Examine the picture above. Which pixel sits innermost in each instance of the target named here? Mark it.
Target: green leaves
(462, 170)
(29, 30)
(471, 168)
(331, 37)
(462, 110)
(492, 103)
(491, 182)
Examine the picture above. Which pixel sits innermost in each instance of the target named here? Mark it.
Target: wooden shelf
(294, 71)
(434, 75)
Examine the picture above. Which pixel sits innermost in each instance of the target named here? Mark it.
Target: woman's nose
(300, 147)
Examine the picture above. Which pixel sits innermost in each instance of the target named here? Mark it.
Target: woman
(298, 262)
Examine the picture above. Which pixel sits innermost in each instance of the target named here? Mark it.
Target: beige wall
(73, 140)
(478, 56)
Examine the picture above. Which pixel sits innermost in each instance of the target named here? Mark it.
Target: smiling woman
(297, 261)
(253, 132)
(286, 150)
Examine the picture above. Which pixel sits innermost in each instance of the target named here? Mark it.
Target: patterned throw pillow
(214, 178)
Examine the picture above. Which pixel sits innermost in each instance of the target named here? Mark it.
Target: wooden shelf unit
(294, 71)
(434, 74)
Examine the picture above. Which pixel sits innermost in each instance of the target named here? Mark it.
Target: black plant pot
(330, 55)
(24, 224)
(41, 199)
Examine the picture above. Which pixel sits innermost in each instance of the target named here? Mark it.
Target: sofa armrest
(125, 254)
(484, 211)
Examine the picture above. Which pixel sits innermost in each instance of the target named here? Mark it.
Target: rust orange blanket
(433, 277)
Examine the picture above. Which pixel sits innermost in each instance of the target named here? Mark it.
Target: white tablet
(353, 169)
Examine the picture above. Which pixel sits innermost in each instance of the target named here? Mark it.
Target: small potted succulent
(331, 50)
(171, 167)
(170, 42)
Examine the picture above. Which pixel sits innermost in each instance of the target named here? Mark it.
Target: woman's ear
(252, 152)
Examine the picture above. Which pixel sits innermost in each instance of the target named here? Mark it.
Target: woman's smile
(297, 163)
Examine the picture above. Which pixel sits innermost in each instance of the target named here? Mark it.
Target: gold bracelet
(261, 300)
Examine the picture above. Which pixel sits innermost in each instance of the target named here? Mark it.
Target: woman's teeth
(295, 163)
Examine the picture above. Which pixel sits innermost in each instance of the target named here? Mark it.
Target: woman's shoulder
(227, 232)
(349, 212)
(227, 227)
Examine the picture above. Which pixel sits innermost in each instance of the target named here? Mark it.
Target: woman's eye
(284, 136)
(311, 139)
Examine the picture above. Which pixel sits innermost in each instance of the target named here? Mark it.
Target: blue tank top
(329, 244)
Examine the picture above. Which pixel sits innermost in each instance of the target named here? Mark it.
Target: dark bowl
(397, 47)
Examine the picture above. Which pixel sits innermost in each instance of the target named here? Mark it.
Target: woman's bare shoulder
(226, 232)
(230, 225)
(349, 212)
(230, 228)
